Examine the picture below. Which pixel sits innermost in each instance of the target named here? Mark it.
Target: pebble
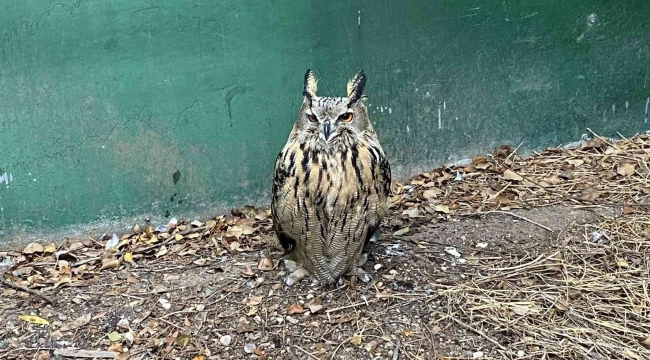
(477, 355)
(225, 340)
(249, 348)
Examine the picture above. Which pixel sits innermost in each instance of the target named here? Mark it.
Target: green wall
(102, 102)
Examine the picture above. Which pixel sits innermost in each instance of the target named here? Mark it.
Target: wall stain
(238, 90)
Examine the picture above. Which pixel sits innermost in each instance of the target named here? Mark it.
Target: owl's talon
(295, 276)
(363, 276)
(290, 265)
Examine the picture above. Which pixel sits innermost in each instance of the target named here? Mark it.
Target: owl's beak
(327, 131)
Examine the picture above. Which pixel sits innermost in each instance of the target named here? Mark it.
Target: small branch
(351, 305)
(515, 215)
(78, 353)
(396, 351)
(305, 351)
(478, 332)
(31, 291)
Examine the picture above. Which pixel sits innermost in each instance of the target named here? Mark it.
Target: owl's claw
(290, 265)
(296, 272)
(363, 275)
(295, 276)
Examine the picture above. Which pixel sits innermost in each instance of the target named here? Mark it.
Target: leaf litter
(567, 284)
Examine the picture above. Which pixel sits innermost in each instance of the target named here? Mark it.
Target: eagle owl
(330, 186)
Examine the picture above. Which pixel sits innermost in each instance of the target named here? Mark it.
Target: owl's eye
(312, 117)
(347, 117)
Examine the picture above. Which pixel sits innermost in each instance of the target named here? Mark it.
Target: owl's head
(333, 118)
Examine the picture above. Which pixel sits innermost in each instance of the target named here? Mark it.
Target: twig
(31, 291)
(305, 351)
(338, 347)
(517, 216)
(478, 332)
(602, 139)
(512, 153)
(78, 353)
(351, 306)
(396, 351)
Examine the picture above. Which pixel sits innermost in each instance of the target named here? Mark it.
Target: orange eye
(347, 117)
(312, 117)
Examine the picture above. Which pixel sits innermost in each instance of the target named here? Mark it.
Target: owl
(330, 187)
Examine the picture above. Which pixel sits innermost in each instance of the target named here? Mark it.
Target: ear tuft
(310, 85)
(355, 87)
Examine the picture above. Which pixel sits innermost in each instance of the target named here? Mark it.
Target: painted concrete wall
(121, 108)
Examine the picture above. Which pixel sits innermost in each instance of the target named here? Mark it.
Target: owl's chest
(339, 180)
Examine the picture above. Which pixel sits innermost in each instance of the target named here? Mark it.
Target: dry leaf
(401, 232)
(431, 193)
(247, 271)
(314, 308)
(356, 340)
(511, 175)
(294, 309)
(110, 264)
(199, 357)
(442, 208)
(50, 249)
(114, 336)
(210, 224)
(80, 321)
(589, 195)
(412, 212)
(265, 264)
(627, 210)
(33, 248)
(162, 251)
(626, 168)
(33, 319)
(182, 340)
(253, 300)
(123, 356)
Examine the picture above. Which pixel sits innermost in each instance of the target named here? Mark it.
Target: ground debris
(506, 257)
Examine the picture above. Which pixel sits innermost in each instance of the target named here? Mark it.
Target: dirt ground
(545, 272)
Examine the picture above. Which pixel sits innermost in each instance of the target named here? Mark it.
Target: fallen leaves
(265, 264)
(401, 231)
(253, 300)
(34, 319)
(512, 176)
(294, 309)
(589, 195)
(626, 168)
(356, 339)
(33, 248)
(114, 336)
